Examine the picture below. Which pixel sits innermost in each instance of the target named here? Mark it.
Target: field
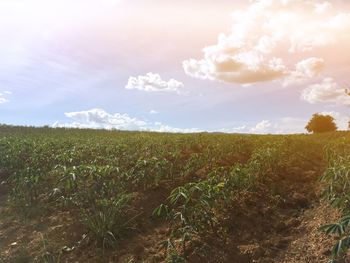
(111, 196)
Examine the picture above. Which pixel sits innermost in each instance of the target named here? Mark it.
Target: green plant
(193, 208)
(342, 232)
(106, 220)
(336, 179)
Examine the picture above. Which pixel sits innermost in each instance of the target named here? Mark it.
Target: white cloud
(261, 127)
(328, 91)
(289, 125)
(292, 125)
(286, 125)
(153, 83)
(260, 35)
(322, 7)
(240, 129)
(3, 98)
(305, 69)
(310, 67)
(159, 127)
(244, 67)
(153, 112)
(100, 119)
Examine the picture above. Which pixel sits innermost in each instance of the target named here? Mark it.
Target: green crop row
(98, 174)
(336, 180)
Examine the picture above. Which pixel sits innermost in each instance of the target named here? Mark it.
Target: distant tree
(321, 123)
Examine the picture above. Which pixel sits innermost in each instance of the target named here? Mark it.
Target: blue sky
(174, 65)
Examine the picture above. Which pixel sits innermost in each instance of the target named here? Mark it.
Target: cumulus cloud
(153, 83)
(261, 127)
(100, 119)
(251, 52)
(304, 70)
(153, 112)
(328, 91)
(310, 67)
(243, 68)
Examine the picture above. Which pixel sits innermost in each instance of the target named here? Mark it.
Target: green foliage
(106, 219)
(193, 208)
(97, 174)
(336, 181)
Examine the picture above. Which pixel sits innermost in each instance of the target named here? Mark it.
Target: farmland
(70, 195)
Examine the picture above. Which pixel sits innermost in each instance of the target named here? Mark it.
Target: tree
(321, 123)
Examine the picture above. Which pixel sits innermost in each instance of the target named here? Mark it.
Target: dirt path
(300, 240)
(309, 244)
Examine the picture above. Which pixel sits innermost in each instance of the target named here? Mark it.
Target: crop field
(70, 195)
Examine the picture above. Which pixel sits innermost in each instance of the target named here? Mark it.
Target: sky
(174, 65)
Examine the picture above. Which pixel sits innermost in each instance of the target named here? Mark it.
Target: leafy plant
(106, 219)
(337, 192)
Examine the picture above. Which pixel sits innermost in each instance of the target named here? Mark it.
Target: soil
(262, 227)
(283, 228)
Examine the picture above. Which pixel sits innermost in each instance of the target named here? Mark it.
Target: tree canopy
(321, 123)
